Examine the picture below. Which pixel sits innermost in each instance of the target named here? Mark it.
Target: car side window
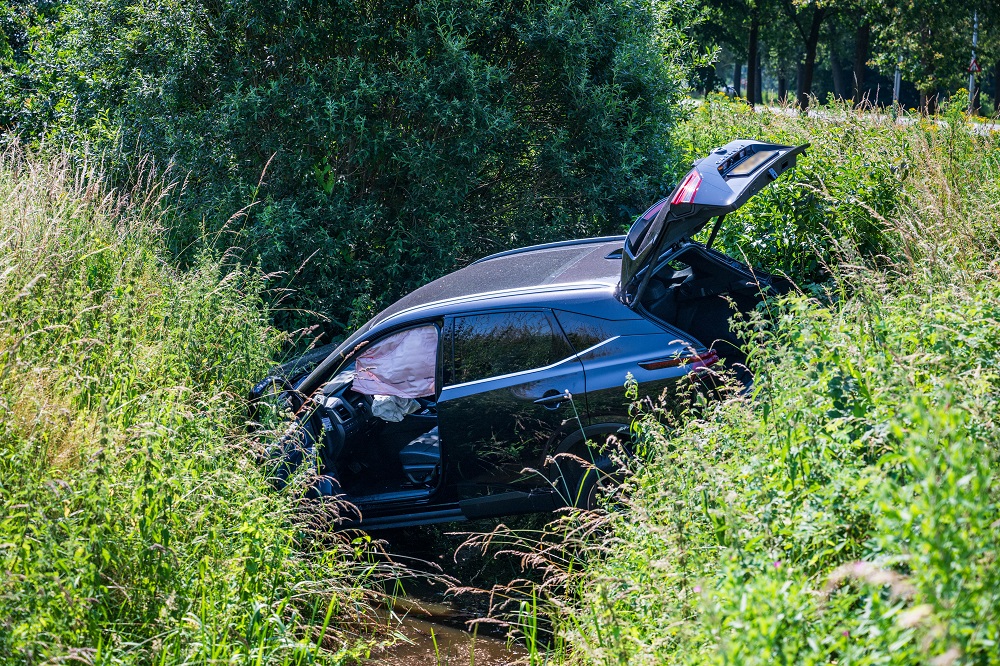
(501, 343)
(584, 331)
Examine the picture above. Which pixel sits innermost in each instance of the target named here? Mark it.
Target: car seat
(421, 458)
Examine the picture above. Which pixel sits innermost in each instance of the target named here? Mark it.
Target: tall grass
(847, 510)
(134, 526)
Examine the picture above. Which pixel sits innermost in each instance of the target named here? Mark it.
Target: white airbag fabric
(392, 408)
(404, 365)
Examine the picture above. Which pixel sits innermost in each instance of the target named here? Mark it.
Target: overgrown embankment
(847, 510)
(134, 527)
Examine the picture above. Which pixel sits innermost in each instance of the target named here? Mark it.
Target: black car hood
(716, 185)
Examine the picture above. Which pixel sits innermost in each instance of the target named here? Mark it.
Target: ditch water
(437, 633)
(435, 625)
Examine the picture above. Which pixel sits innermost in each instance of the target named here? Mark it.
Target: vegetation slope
(134, 526)
(846, 510)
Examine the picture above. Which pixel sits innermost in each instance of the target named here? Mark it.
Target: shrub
(431, 132)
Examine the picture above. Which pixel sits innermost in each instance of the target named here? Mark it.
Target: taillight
(689, 187)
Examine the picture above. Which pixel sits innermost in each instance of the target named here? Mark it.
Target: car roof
(578, 276)
(519, 276)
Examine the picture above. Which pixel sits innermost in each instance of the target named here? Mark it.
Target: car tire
(583, 473)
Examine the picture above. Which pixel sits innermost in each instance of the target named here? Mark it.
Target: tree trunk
(807, 69)
(759, 90)
(737, 77)
(996, 87)
(752, 47)
(838, 75)
(799, 77)
(710, 79)
(782, 88)
(861, 44)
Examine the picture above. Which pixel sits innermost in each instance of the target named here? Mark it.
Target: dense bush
(134, 526)
(430, 132)
(846, 510)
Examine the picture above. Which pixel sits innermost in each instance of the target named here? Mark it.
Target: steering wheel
(272, 387)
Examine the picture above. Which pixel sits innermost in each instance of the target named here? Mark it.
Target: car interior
(699, 290)
(383, 446)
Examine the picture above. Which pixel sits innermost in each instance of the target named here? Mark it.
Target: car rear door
(511, 383)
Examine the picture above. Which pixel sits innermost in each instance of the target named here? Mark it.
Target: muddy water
(435, 619)
(437, 633)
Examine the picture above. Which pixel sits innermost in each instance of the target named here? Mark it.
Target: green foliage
(933, 38)
(846, 513)
(433, 132)
(846, 509)
(134, 524)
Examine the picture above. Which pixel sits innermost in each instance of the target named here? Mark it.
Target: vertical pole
(972, 74)
(896, 81)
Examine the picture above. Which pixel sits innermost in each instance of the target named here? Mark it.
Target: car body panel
(607, 367)
(493, 429)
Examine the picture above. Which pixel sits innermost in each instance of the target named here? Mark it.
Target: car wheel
(582, 474)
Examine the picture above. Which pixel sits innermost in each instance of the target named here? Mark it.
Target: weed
(134, 526)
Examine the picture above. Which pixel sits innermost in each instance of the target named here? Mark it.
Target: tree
(753, 51)
(807, 16)
(383, 143)
(723, 30)
(934, 38)
(781, 54)
(850, 31)
(988, 50)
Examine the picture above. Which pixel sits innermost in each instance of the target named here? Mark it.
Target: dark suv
(456, 400)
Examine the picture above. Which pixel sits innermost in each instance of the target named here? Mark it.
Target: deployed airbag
(403, 365)
(392, 408)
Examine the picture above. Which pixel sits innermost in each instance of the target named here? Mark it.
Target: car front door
(512, 383)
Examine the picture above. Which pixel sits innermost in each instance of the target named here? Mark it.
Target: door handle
(552, 399)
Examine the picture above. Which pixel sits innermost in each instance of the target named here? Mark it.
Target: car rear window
(638, 236)
(501, 343)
